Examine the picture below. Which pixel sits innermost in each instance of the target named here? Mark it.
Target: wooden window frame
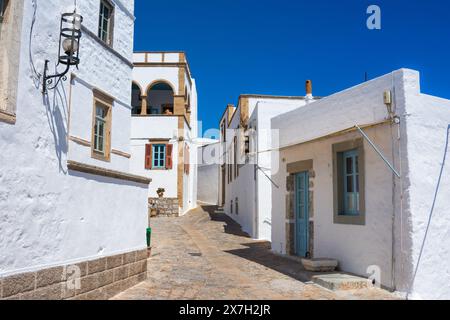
(338, 185)
(106, 102)
(353, 155)
(168, 155)
(164, 158)
(110, 28)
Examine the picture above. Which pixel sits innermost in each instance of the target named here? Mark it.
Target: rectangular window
(348, 182)
(159, 156)
(101, 126)
(351, 183)
(2, 10)
(105, 25)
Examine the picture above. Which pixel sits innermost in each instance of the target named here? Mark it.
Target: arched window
(160, 99)
(136, 100)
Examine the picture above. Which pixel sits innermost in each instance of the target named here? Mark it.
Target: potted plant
(160, 192)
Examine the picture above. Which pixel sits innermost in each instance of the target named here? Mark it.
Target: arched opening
(136, 99)
(160, 99)
(188, 104)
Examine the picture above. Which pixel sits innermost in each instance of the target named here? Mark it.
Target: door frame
(297, 231)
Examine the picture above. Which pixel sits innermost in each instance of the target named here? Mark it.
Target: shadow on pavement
(230, 227)
(259, 252)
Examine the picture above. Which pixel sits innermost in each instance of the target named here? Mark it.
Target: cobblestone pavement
(205, 255)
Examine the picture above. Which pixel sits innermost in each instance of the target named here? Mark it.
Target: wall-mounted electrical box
(387, 97)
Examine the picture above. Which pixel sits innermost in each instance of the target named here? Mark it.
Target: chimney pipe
(309, 95)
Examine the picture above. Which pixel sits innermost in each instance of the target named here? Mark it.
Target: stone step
(320, 265)
(339, 281)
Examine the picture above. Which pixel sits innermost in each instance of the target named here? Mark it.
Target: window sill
(101, 157)
(7, 117)
(359, 220)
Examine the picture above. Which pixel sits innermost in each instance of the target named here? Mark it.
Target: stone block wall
(98, 279)
(165, 207)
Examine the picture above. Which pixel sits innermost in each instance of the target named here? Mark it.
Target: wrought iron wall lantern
(69, 49)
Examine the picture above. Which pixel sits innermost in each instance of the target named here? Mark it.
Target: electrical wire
(431, 214)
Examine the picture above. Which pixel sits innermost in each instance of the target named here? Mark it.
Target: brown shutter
(169, 162)
(148, 156)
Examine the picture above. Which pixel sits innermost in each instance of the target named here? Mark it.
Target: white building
(164, 129)
(208, 171)
(245, 184)
(338, 198)
(65, 155)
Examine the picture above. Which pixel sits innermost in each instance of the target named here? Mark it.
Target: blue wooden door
(302, 214)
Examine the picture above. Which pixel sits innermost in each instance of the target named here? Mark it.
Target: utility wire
(431, 213)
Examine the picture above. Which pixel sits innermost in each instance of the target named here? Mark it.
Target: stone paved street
(205, 255)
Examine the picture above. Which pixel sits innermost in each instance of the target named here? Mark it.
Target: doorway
(302, 214)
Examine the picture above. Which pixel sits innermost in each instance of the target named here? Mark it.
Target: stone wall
(165, 207)
(98, 279)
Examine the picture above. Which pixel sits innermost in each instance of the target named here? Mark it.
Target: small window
(237, 206)
(3, 4)
(101, 127)
(105, 25)
(351, 183)
(231, 206)
(348, 182)
(159, 156)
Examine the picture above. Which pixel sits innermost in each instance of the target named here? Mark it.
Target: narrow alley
(204, 255)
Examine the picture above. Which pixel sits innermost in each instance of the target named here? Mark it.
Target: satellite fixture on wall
(69, 49)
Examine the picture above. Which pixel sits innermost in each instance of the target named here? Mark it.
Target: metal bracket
(378, 151)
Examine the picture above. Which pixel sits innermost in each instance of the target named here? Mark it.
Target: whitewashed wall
(163, 127)
(145, 76)
(50, 216)
(355, 247)
(254, 207)
(208, 173)
(427, 121)
(418, 149)
(155, 127)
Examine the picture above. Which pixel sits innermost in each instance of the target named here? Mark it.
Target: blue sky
(273, 46)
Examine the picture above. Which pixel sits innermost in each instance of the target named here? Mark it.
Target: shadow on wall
(57, 120)
(230, 227)
(56, 108)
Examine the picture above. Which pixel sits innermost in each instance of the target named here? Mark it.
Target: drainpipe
(389, 100)
(256, 166)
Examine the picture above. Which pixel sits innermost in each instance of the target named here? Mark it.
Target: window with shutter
(159, 156)
(148, 156)
(169, 158)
